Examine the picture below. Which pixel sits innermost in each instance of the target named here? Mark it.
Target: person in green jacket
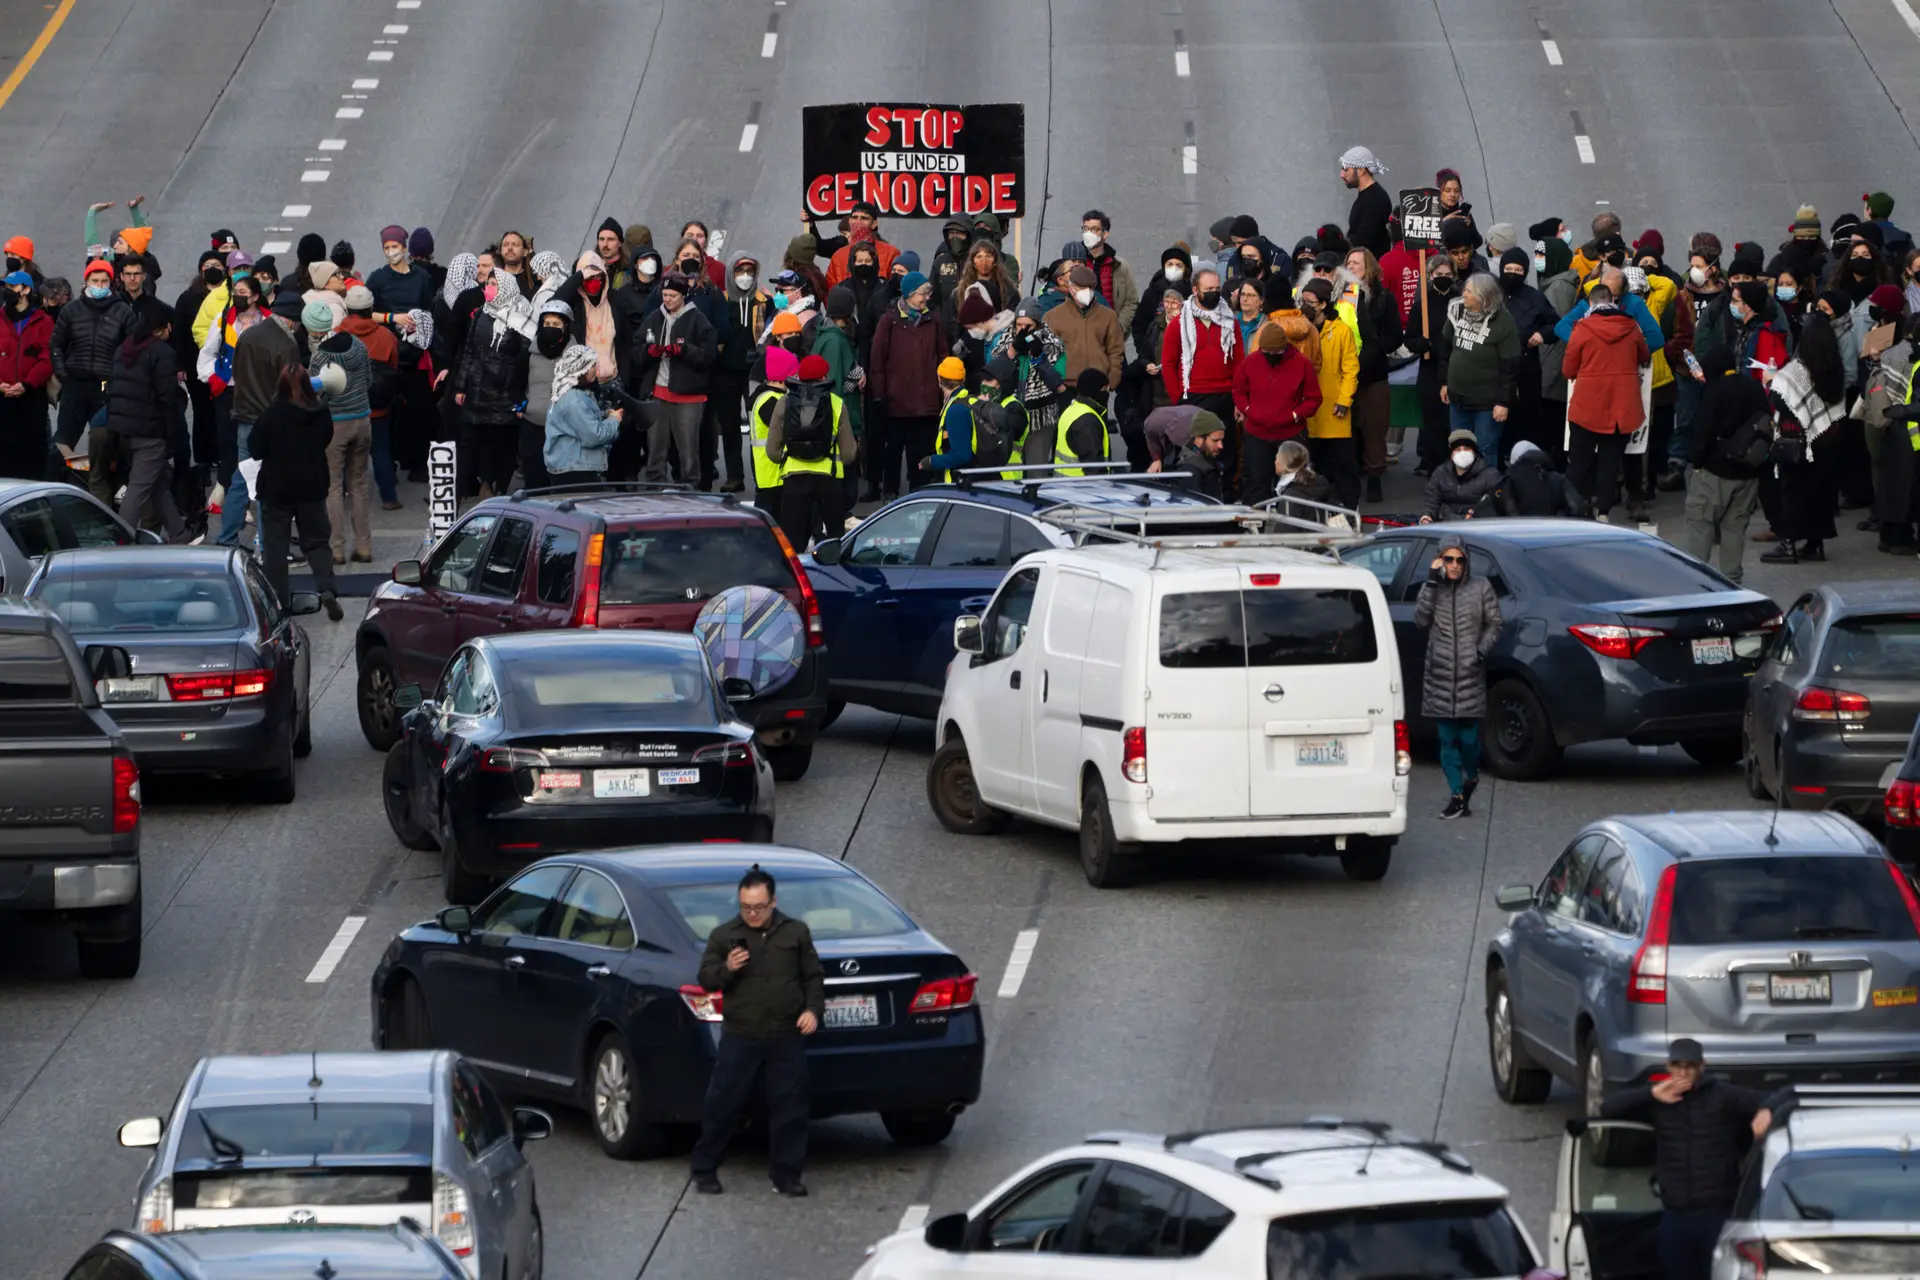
(833, 342)
(1482, 364)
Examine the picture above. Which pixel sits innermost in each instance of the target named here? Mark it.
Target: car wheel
(279, 786)
(954, 797)
(1515, 1077)
(1366, 858)
(612, 1103)
(1517, 735)
(834, 708)
(536, 1247)
(408, 1026)
(379, 680)
(1593, 1075)
(462, 888)
(1722, 751)
(917, 1128)
(397, 790)
(109, 959)
(790, 763)
(303, 740)
(1102, 859)
(1750, 765)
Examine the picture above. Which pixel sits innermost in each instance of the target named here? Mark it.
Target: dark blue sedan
(577, 982)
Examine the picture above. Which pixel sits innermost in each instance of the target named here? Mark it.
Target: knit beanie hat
(1806, 223)
(1747, 259)
(1320, 287)
(1091, 382)
(359, 298)
(321, 273)
(638, 236)
(1651, 244)
(1030, 309)
(909, 259)
(803, 248)
(288, 305)
(1270, 339)
(785, 323)
(1705, 244)
(1888, 298)
(952, 370)
(137, 238)
(317, 317)
(393, 233)
(840, 303)
(1546, 229)
(420, 243)
(222, 238)
(310, 249)
(974, 309)
(1879, 204)
(19, 247)
(264, 265)
(98, 264)
(1502, 237)
(1221, 229)
(1244, 226)
(610, 224)
(911, 283)
(1516, 257)
(782, 364)
(342, 255)
(816, 369)
(1559, 256)
(1004, 371)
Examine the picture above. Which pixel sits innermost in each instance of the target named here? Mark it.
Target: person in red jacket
(26, 362)
(862, 224)
(1275, 391)
(1197, 359)
(1603, 361)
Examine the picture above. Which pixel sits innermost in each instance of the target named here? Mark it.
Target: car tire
(954, 797)
(116, 959)
(790, 763)
(396, 790)
(537, 1247)
(1103, 860)
(1521, 1081)
(303, 740)
(1721, 751)
(460, 887)
(1593, 1075)
(1517, 735)
(834, 708)
(917, 1128)
(279, 785)
(1750, 765)
(373, 695)
(408, 1026)
(610, 1103)
(1366, 858)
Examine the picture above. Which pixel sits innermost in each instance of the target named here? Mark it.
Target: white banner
(443, 492)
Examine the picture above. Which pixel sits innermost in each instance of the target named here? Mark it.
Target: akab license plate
(852, 1011)
(1319, 751)
(613, 784)
(1713, 651)
(1800, 988)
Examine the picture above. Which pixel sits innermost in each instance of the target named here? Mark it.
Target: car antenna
(313, 1081)
(1372, 1147)
(1779, 798)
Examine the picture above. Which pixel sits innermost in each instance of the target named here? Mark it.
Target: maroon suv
(618, 557)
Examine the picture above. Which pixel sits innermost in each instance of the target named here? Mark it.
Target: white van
(1150, 691)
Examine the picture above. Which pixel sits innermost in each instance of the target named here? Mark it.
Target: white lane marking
(395, 29)
(315, 175)
(1585, 144)
(1017, 963)
(915, 1217)
(748, 133)
(1190, 159)
(408, 4)
(347, 113)
(1181, 65)
(1907, 15)
(333, 144)
(365, 83)
(337, 949)
(276, 246)
(296, 211)
(380, 55)
(767, 42)
(1553, 52)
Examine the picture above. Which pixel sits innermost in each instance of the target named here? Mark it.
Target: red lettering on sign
(820, 195)
(977, 194)
(954, 121)
(933, 195)
(930, 133)
(902, 193)
(877, 130)
(873, 188)
(843, 193)
(1003, 193)
(906, 119)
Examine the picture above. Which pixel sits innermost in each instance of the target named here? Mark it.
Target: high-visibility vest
(829, 465)
(766, 472)
(1016, 445)
(973, 436)
(1913, 428)
(1061, 453)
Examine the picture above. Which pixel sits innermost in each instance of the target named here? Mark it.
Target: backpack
(1750, 445)
(807, 431)
(990, 445)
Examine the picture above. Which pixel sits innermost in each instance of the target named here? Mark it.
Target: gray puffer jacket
(1462, 621)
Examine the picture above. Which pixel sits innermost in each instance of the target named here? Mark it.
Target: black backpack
(991, 448)
(807, 429)
(1750, 445)
(383, 388)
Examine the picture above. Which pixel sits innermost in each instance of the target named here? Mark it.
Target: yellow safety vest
(973, 436)
(1913, 428)
(766, 472)
(1061, 453)
(1017, 445)
(829, 465)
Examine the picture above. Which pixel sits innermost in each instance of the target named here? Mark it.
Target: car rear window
(1845, 1186)
(659, 687)
(293, 1188)
(830, 906)
(1592, 572)
(33, 669)
(1722, 901)
(284, 1129)
(1879, 648)
(1458, 1241)
(130, 598)
(1267, 628)
(652, 564)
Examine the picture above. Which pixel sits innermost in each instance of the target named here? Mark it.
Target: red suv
(622, 556)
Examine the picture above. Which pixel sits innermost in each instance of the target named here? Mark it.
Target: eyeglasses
(754, 908)
(1453, 559)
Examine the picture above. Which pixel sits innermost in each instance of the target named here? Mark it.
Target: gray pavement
(1222, 991)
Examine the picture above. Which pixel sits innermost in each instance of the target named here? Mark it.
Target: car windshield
(656, 564)
(129, 598)
(830, 906)
(1879, 648)
(278, 1130)
(1624, 569)
(33, 669)
(1843, 1186)
(1458, 1241)
(1785, 898)
(656, 687)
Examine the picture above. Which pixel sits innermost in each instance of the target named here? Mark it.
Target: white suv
(1324, 1199)
(1151, 691)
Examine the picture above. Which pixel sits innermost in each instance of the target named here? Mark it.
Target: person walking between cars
(1701, 1128)
(765, 965)
(1462, 620)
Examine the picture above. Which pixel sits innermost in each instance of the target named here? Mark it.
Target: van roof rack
(1837, 1097)
(1382, 1134)
(1265, 527)
(1036, 472)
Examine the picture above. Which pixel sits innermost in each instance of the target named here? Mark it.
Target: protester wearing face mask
(576, 431)
(1483, 346)
(214, 443)
(1039, 359)
(26, 363)
(384, 355)
(1112, 277)
(1605, 354)
(1560, 288)
(1330, 428)
(19, 257)
(86, 335)
(1088, 328)
(1176, 268)
(909, 344)
(1276, 392)
(1198, 358)
(1460, 489)
(1442, 284)
(862, 224)
(949, 259)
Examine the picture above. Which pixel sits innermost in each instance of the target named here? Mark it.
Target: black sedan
(1836, 696)
(219, 682)
(1610, 633)
(542, 742)
(578, 982)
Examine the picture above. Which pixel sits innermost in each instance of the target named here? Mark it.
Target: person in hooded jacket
(1442, 287)
(1534, 318)
(908, 345)
(1463, 486)
(1176, 268)
(1276, 393)
(552, 335)
(948, 260)
(678, 346)
(1723, 491)
(146, 410)
(26, 364)
(491, 388)
(867, 286)
(1040, 362)
(1461, 616)
(1604, 356)
(834, 342)
(86, 336)
(290, 442)
(1560, 288)
(1533, 488)
(577, 430)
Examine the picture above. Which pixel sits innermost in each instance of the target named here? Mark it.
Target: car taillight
(205, 686)
(154, 1215)
(1751, 1256)
(1647, 979)
(943, 994)
(452, 1215)
(248, 684)
(586, 610)
(1612, 640)
(1832, 704)
(126, 795)
(1908, 894)
(1133, 754)
(1898, 803)
(809, 603)
(507, 759)
(1402, 750)
(734, 755)
(706, 1005)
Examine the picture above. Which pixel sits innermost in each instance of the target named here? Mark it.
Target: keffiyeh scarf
(1221, 317)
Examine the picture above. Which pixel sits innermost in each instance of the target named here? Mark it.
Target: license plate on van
(1712, 651)
(1800, 988)
(1317, 751)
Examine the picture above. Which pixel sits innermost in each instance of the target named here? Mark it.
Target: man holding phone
(765, 965)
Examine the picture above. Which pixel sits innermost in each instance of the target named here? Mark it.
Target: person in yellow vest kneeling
(809, 436)
(955, 443)
(1082, 434)
(782, 366)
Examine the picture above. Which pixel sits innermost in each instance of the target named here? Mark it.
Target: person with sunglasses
(1462, 621)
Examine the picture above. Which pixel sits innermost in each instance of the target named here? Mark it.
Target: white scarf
(1794, 385)
(1222, 318)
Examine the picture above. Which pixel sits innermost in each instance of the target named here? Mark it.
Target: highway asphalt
(1223, 991)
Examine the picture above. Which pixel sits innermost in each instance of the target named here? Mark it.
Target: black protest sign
(914, 160)
(1420, 215)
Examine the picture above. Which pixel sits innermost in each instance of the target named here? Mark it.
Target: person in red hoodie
(862, 224)
(1197, 359)
(26, 362)
(1275, 391)
(1602, 363)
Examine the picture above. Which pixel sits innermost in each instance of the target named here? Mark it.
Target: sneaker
(197, 540)
(362, 557)
(393, 504)
(707, 1185)
(790, 1187)
(1782, 554)
(1456, 808)
(1468, 788)
(331, 603)
(1373, 489)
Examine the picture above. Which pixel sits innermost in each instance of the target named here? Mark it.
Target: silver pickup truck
(69, 791)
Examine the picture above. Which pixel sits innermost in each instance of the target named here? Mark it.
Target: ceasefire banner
(1420, 217)
(443, 494)
(915, 160)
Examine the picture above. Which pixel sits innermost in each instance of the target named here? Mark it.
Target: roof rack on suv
(1034, 473)
(571, 493)
(1835, 1097)
(1264, 526)
(1383, 1135)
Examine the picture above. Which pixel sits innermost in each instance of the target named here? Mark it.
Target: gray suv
(1788, 945)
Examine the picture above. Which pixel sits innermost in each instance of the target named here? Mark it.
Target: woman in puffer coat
(1462, 620)
(146, 409)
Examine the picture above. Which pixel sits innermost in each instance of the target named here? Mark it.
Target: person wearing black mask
(551, 336)
(1434, 420)
(26, 339)
(1535, 318)
(690, 260)
(948, 261)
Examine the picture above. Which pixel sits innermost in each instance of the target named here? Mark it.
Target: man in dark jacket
(949, 260)
(146, 409)
(1200, 458)
(678, 347)
(765, 965)
(86, 334)
(1724, 490)
(1701, 1128)
(1533, 488)
(1462, 621)
(1459, 485)
(1535, 318)
(259, 356)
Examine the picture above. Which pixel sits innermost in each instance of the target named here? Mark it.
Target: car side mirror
(304, 602)
(737, 689)
(827, 552)
(1513, 897)
(407, 697)
(455, 920)
(148, 538)
(108, 662)
(967, 636)
(144, 1132)
(407, 573)
(947, 1234)
(530, 1124)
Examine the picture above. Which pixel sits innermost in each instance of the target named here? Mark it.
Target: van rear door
(1197, 701)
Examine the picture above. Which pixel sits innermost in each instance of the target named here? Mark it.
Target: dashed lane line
(1553, 52)
(1023, 945)
(915, 1217)
(336, 950)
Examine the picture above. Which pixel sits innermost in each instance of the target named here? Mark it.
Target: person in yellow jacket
(781, 365)
(1330, 430)
(812, 502)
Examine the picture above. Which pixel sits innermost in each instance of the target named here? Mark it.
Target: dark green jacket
(832, 344)
(781, 979)
(1483, 359)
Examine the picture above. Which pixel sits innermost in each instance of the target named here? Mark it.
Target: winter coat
(1276, 397)
(1765, 340)
(1532, 488)
(1040, 379)
(1213, 367)
(1698, 1142)
(187, 304)
(1450, 495)
(709, 302)
(492, 375)
(259, 356)
(578, 433)
(1462, 622)
(1117, 288)
(686, 372)
(833, 345)
(1727, 403)
(1203, 473)
(26, 349)
(747, 316)
(145, 399)
(1380, 318)
(1483, 356)
(350, 354)
(1604, 358)
(1562, 294)
(1532, 314)
(1339, 375)
(383, 349)
(906, 352)
(86, 336)
(291, 445)
(782, 979)
(627, 314)
(1306, 486)
(1093, 338)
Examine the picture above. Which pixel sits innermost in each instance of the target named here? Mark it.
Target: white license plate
(129, 689)
(1800, 988)
(678, 777)
(556, 780)
(1314, 751)
(852, 1011)
(1712, 651)
(615, 783)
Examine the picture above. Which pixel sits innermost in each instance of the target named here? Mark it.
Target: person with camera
(579, 429)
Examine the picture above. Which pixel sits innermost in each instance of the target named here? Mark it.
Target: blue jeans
(1459, 751)
(1685, 1240)
(383, 457)
(233, 508)
(1484, 428)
